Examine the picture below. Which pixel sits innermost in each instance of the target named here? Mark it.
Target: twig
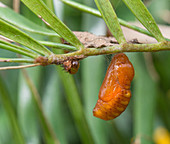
(128, 47)
(19, 67)
(16, 5)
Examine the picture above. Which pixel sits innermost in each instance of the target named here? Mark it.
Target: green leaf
(111, 19)
(145, 97)
(23, 23)
(5, 132)
(91, 83)
(7, 103)
(48, 132)
(53, 104)
(97, 13)
(58, 45)
(40, 9)
(75, 105)
(143, 15)
(15, 34)
(17, 49)
(50, 4)
(26, 106)
(82, 7)
(76, 108)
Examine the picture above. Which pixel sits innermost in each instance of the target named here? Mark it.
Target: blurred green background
(149, 107)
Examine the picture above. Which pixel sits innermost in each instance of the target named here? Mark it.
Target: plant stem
(19, 67)
(17, 60)
(80, 54)
(127, 47)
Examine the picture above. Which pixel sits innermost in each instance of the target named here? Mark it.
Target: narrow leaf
(145, 96)
(91, 83)
(75, 105)
(111, 19)
(23, 23)
(17, 49)
(82, 7)
(15, 34)
(95, 12)
(58, 45)
(25, 106)
(143, 15)
(53, 105)
(41, 10)
(76, 108)
(47, 130)
(7, 103)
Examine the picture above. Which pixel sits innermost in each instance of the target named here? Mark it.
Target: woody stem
(126, 47)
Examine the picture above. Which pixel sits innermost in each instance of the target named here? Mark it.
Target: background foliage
(148, 109)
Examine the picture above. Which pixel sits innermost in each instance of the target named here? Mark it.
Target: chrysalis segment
(115, 94)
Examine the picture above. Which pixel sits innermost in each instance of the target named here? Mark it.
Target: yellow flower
(161, 136)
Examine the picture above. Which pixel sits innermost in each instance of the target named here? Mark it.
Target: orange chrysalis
(115, 94)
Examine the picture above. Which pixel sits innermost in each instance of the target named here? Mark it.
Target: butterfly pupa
(115, 94)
